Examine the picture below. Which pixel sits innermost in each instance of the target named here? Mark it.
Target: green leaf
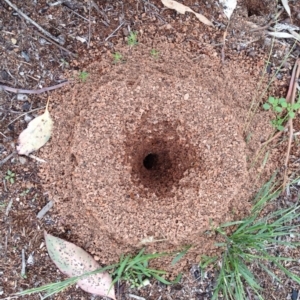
(266, 106)
(278, 109)
(282, 101)
(178, 257)
(280, 127)
(271, 100)
(291, 114)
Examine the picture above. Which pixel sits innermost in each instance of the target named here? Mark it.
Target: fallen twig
(291, 98)
(3, 161)
(28, 112)
(56, 44)
(33, 22)
(39, 91)
(114, 31)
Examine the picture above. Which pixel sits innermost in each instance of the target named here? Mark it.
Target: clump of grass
(132, 38)
(283, 111)
(249, 244)
(133, 270)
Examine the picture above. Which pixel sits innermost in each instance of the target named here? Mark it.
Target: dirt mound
(153, 149)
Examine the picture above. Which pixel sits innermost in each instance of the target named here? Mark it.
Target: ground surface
(187, 94)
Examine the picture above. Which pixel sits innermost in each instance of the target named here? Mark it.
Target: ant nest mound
(151, 152)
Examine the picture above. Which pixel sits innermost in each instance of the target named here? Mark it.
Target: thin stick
(89, 38)
(58, 45)
(33, 22)
(291, 98)
(114, 31)
(3, 161)
(39, 91)
(25, 114)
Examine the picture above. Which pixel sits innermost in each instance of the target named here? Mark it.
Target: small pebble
(186, 96)
(22, 160)
(25, 56)
(27, 118)
(14, 41)
(22, 97)
(26, 106)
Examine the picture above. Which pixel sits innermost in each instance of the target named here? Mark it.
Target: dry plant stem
(224, 40)
(33, 22)
(291, 98)
(39, 91)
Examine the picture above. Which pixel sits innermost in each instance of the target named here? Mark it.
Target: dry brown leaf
(36, 135)
(182, 9)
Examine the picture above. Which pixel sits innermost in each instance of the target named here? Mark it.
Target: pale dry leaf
(286, 6)
(182, 9)
(228, 6)
(74, 261)
(36, 135)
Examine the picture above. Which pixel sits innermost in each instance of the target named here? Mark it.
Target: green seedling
(64, 63)
(132, 38)
(25, 192)
(283, 111)
(10, 176)
(118, 57)
(154, 53)
(83, 76)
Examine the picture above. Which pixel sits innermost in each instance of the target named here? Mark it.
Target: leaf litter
(37, 133)
(74, 261)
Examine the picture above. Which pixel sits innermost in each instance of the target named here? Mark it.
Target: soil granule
(152, 151)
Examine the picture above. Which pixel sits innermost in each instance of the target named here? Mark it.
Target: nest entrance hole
(158, 157)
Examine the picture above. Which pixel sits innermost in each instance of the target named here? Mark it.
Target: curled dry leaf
(182, 9)
(36, 135)
(74, 261)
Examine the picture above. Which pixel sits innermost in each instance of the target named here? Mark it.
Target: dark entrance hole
(150, 161)
(158, 157)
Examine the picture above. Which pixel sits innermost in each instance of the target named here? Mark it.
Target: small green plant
(132, 38)
(282, 109)
(249, 243)
(154, 53)
(83, 76)
(10, 176)
(118, 57)
(25, 192)
(134, 270)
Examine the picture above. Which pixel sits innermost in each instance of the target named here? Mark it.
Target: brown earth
(182, 116)
(155, 151)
